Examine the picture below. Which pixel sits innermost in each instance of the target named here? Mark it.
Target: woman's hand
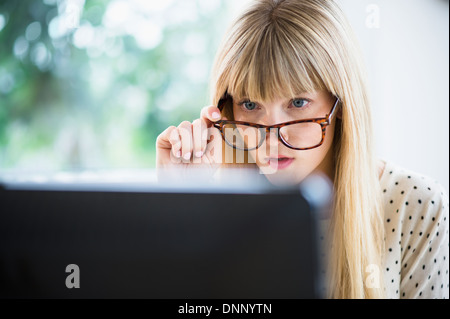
(191, 144)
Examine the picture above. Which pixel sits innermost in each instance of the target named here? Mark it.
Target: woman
(287, 62)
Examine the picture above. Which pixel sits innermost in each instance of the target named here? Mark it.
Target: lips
(280, 162)
(278, 158)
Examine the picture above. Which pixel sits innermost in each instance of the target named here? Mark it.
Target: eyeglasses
(298, 135)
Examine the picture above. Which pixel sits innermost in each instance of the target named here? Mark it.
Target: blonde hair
(282, 47)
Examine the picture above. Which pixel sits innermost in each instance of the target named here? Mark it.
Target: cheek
(312, 159)
(308, 161)
(305, 161)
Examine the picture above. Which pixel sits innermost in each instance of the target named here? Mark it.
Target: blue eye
(249, 105)
(299, 103)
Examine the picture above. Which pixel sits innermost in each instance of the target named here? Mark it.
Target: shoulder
(416, 209)
(412, 200)
(406, 190)
(416, 206)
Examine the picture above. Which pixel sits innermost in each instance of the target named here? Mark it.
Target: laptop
(69, 239)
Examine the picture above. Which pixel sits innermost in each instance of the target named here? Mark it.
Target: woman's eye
(249, 105)
(299, 103)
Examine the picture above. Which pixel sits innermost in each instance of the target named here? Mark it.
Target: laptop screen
(75, 240)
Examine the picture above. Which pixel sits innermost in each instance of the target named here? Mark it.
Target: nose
(272, 136)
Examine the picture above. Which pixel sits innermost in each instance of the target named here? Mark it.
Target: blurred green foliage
(91, 83)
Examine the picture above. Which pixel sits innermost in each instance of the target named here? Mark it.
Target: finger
(214, 147)
(204, 136)
(214, 131)
(166, 139)
(210, 114)
(163, 139)
(199, 137)
(175, 141)
(185, 131)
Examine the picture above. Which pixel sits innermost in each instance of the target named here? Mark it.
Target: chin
(284, 179)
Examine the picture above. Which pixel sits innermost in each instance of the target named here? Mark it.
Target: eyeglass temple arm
(333, 110)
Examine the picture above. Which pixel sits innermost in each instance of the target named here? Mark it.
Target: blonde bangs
(270, 67)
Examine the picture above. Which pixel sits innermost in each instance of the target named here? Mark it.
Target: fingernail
(178, 155)
(216, 115)
(199, 154)
(187, 156)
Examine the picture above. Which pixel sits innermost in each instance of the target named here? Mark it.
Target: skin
(189, 143)
(281, 110)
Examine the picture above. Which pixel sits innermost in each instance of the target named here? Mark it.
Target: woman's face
(279, 163)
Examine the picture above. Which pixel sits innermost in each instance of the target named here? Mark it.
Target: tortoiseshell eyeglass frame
(323, 121)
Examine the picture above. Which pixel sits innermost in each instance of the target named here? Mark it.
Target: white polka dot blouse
(417, 240)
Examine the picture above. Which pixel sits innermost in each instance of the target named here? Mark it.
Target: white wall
(407, 58)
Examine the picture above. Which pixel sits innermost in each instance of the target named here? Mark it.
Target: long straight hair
(282, 47)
